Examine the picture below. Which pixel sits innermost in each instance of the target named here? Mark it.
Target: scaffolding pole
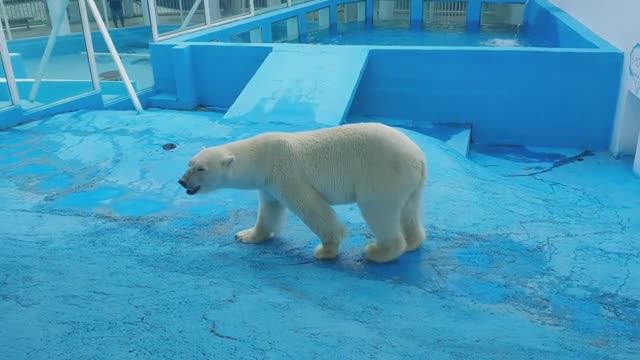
(8, 68)
(114, 55)
(47, 51)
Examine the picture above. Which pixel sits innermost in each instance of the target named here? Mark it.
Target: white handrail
(6, 19)
(192, 11)
(8, 68)
(88, 42)
(114, 55)
(47, 51)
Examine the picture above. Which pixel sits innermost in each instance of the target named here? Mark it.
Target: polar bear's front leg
(318, 215)
(271, 216)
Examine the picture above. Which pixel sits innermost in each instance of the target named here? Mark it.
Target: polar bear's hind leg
(384, 221)
(318, 215)
(414, 233)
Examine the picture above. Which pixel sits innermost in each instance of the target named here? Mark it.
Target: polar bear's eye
(201, 169)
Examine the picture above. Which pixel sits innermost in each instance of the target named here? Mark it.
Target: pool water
(531, 254)
(394, 35)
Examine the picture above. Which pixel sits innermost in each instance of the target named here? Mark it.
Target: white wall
(617, 21)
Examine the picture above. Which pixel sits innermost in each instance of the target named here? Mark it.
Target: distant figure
(116, 12)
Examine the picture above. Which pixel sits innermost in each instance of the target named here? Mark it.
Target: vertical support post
(49, 48)
(145, 12)
(8, 68)
(182, 67)
(267, 35)
(252, 7)
(114, 56)
(88, 42)
(369, 12)
(302, 29)
(207, 13)
(153, 18)
(416, 11)
(333, 18)
(5, 16)
(474, 11)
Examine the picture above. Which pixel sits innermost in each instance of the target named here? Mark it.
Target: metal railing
(173, 7)
(27, 13)
(24, 13)
(402, 6)
(445, 12)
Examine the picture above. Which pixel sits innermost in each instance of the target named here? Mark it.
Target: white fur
(373, 165)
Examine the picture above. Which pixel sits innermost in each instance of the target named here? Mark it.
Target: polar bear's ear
(228, 161)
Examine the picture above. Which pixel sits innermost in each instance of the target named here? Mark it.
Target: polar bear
(370, 164)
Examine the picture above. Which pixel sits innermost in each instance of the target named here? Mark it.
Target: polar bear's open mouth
(194, 190)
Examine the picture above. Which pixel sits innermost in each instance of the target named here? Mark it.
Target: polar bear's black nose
(181, 182)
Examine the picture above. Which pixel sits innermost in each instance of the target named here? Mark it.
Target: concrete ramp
(302, 84)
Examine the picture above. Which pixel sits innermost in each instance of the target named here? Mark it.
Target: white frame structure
(153, 19)
(114, 54)
(88, 42)
(8, 68)
(55, 29)
(84, 6)
(183, 29)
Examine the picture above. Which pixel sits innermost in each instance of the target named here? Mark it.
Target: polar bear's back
(352, 161)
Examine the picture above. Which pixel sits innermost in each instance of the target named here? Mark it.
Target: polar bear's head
(207, 171)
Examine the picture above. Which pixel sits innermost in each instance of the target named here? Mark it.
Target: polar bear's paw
(327, 252)
(251, 236)
(378, 254)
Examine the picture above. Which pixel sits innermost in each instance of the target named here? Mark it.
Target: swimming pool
(359, 34)
(508, 83)
(103, 255)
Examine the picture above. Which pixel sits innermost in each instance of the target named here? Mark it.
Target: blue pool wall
(562, 96)
(509, 96)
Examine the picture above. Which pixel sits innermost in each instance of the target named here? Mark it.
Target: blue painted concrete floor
(102, 255)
